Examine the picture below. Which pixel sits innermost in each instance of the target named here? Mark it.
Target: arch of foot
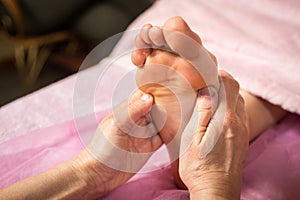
(172, 66)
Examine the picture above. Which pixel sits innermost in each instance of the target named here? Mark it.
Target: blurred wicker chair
(30, 50)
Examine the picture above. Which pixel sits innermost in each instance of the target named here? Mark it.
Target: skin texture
(171, 79)
(182, 58)
(219, 174)
(85, 177)
(261, 113)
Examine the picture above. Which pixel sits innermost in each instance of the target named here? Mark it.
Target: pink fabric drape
(257, 41)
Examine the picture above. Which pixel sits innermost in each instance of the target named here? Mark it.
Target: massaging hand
(113, 156)
(123, 142)
(219, 173)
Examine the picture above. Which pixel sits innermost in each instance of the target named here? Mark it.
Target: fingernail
(146, 97)
(204, 92)
(209, 94)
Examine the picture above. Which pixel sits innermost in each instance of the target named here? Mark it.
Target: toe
(144, 34)
(140, 43)
(139, 56)
(179, 25)
(156, 36)
(183, 41)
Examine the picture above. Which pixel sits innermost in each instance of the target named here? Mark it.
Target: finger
(231, 87)
(144, 131)
(241, 113)
(215, 126)
(130, 112)
(142, 127)
(213, 57)
(139, 105)
(148, 118)
(142, 121)
(204, 107)
(199, 120)
(156, 142)
(240, 107)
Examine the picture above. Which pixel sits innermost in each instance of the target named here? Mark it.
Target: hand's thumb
(207, 101)
(200, 119)
(129, 112)
(139, 105)
(214, 125)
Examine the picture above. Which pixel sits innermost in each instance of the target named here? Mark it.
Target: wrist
(99, 178)
(216, 186)
(209, 194)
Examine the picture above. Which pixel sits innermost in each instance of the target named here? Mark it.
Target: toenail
(156, 29)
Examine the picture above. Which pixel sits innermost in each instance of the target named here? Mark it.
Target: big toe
(181, 39)
(179, 25)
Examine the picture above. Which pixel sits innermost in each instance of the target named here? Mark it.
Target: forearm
(60, 182)
(261, 114)
(75, 179)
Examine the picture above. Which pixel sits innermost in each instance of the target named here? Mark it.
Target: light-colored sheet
(257, 42)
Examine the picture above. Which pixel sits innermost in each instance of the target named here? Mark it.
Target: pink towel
(257, 41)
(272, 169)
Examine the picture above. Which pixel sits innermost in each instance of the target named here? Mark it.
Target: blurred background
(46, 40)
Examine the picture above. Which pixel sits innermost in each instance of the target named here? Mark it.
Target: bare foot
(173, 66)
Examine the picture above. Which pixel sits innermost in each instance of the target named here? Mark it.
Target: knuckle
(214, 58)
(231, 86)
(224, 74)
(235, 84)
(241, 99)
(231, 120)
(228, 78)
